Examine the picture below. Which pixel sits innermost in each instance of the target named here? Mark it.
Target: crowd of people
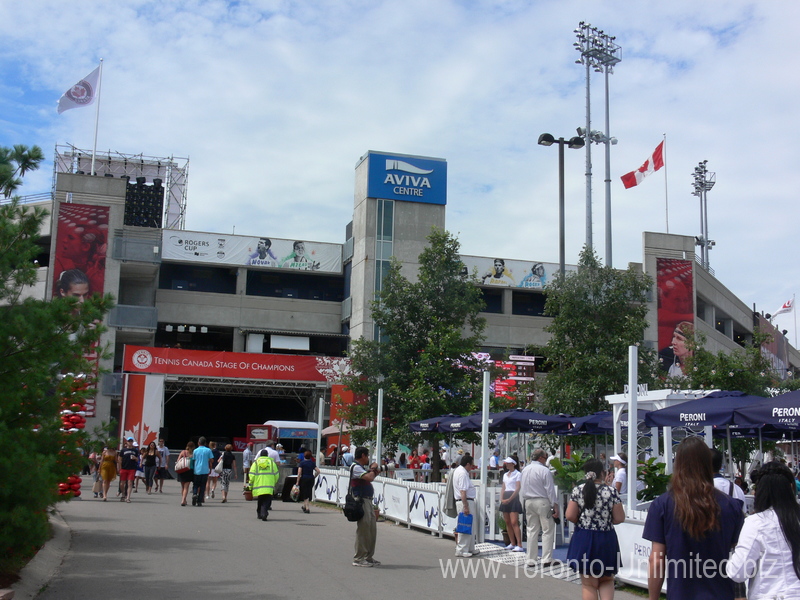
(131, 466)
(211, 470)
(702, 545)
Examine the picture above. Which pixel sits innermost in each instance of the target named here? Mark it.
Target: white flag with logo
(787, 307)
(81, 94)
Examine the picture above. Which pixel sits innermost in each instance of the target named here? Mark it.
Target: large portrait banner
(675, 282)
(264, 252)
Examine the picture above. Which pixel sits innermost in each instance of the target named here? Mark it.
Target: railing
(31, 198)
(111, 384)
(133, 317)
(130, 246)
(411, 503)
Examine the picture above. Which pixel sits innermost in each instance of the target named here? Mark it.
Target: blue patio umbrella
(781, 412)
(714, 409)
(429, 425)
(456, 424)
(527, 421)
(590, 424)
(768, 432)
(607, 424)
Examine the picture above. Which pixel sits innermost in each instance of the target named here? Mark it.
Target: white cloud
(274, 102)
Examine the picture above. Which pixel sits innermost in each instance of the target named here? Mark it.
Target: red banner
(675, 283)
(241, 365)
(79, 267)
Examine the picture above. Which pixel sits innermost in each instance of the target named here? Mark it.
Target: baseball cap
(130, 439)
(508, 459)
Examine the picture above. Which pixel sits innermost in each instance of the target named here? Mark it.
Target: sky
(274, 102)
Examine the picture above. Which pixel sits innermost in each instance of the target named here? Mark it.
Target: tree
(42, 365)
(747, 369)
(424, 360)
(15, 163)
(597, 313)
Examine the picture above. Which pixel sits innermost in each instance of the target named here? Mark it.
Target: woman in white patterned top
(594, 549)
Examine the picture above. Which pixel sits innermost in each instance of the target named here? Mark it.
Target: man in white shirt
(347, 456)
(724, 485)
(163, 465)
(538, 494)
(247, 460)
(494, 460)
(269, 450)
(728, 488)
(464, 492)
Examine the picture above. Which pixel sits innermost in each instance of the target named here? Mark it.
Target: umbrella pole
(731, 472)
(760, 447)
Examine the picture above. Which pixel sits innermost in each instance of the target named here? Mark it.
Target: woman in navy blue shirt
(693, 528)
(306, 472)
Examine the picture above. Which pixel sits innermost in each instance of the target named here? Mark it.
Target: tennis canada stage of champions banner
(242, 365)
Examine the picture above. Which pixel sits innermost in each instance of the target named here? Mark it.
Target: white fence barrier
(407, 502)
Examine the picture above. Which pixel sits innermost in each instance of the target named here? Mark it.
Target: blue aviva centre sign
(408, 178)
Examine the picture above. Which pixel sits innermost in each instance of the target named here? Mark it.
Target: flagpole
(666, 193)
(795, 322)
(97, 115)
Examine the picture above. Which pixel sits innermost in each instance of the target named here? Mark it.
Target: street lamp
(703, 181)
(547, 139)
(598, 52)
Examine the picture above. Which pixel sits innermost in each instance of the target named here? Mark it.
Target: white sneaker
(518, 549)
(464, 554)
(510, 547)
(362, 563)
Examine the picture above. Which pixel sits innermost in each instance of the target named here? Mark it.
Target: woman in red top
(415, 463)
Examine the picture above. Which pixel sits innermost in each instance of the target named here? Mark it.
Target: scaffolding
(173, 172)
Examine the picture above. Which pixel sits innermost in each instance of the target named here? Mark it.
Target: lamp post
(703, 181)
(598, 52)
(547, 139)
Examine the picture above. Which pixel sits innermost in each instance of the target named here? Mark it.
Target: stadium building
(213, 331)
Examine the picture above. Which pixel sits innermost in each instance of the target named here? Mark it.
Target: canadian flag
(788, 306)
(651, 165)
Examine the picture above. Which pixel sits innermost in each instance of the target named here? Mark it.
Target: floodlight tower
(703, 181)
(598, 52)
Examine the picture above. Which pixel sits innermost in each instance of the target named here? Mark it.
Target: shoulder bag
(353, 507)
(182, 464)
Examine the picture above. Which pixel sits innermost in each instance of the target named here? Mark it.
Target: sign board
(284, 367)
(423, 509)
(255, 252)
(406, 178)
(502, 272)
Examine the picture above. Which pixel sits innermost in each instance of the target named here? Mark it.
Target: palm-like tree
(15, 163)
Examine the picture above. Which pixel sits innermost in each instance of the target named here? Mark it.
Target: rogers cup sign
(244, 365)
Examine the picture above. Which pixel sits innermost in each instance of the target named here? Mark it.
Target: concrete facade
(149, 309)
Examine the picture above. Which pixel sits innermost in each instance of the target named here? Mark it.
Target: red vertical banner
(79, 265)
(142, 399)
(340, 398)
(675, 282)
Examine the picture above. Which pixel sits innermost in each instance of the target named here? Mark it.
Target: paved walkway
(154, 548)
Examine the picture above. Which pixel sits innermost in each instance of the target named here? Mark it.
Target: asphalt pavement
(155, 548)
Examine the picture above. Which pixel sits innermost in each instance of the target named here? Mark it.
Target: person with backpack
(362, 474)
